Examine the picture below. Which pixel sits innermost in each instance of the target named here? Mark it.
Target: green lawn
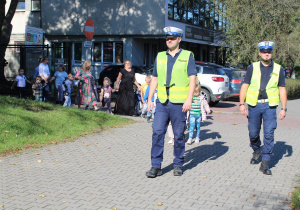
(26, 124)
(295, 203)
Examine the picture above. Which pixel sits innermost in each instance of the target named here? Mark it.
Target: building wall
(111, 17)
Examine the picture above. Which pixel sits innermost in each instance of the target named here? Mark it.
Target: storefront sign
(89, 29)
(33, 36)
(199, 34)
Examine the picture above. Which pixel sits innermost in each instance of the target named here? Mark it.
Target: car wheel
(214, 103)
(206, 95)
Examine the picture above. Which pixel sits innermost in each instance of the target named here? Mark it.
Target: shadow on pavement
(197, 155)
(280, 149)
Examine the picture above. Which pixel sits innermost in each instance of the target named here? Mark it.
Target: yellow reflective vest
(179, 84)
(272, 88)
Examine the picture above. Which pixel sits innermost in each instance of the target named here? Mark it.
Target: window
(35, 5)
(208, 70)
(78, 51)
(97, 52)
(21, 5)
(17, 49)
(119, 52)
(108, 51)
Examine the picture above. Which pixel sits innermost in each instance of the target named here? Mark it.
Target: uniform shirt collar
(167, 52)
(270, 65)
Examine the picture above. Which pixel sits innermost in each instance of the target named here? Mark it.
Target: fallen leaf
(39, 161)
(42, 196)
(6, 131)
(108, 148)
(65, 201)
(56, 160)
(86, 145)
(134, 135)
(28, 137)
(204, 176)
(281, 202)
(1, 205)
(251, 198)
(159, 204)
(28, 166)
(253, 195)
(46, 133)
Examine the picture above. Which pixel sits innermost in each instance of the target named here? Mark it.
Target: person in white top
(44, 73)
(21, 83)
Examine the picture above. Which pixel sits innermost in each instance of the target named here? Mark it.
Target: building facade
(124, 30)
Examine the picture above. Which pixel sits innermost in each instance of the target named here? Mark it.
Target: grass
(295, 203)
(28, 124)
(292, 88)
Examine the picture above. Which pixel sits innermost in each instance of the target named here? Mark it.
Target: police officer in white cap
(262, 89)
(174, 75)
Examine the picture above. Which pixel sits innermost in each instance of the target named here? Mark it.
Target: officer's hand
(187, 105)
(243, 110)
(282, 114)
(150, 106)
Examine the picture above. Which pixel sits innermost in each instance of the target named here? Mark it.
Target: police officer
(174, 75)
(263, 87)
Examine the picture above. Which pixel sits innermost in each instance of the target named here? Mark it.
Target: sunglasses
(266, 51)
(172, 39)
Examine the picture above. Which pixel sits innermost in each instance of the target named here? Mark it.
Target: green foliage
(292, 88)
(250, 22)
(26, 123)
(295, 202)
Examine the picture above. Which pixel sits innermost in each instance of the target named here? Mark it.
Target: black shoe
(148, 119)
(264, 167)
(256, 156)
(154, 172)
(177, 171)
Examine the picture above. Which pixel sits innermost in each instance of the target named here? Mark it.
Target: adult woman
(59, 76)
(87, 96)
(44, 73)
(125, 103)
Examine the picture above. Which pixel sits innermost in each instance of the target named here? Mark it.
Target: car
(214, 82)
(236, 78)
(112, 72)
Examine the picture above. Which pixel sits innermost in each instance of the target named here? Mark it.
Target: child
(21, 80)
(37, 88)
(68, 88)
(143, 91)
(59, 76)
(199, 106)
(146, 102)
(105, 94)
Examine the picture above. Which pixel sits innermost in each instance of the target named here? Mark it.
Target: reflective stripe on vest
(179, 84)
(272, 88)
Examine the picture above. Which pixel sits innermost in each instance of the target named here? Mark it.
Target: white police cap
(266, 45)
(173, 31)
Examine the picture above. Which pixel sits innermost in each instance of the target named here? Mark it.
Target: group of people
(173, 94)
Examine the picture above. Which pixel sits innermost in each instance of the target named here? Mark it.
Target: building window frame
(35, 5)
(21, 7)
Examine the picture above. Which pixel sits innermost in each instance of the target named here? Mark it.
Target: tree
(253, 21)
(5, 32)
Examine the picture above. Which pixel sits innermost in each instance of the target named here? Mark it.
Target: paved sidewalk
(107, 170)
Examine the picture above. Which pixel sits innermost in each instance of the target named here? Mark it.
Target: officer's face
(173, 43)
(266, 56)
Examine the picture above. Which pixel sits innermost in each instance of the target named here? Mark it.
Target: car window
(236, 74)
(208, 70)
(109, 69)
(220, 71)
(198, 69)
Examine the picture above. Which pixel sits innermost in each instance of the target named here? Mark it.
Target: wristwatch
(285, 109)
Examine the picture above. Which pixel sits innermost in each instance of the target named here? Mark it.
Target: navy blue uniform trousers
(164, 113)
(256, 115)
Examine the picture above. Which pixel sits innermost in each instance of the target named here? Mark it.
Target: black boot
(256, 156)
(57, 102)
(154, 172)
(264, 167)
